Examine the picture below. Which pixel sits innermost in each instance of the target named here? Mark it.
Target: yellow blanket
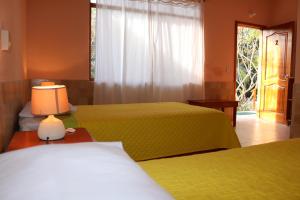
(270, 171)
(154, 130)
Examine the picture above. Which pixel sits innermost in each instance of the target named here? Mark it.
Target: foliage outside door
(248, 62)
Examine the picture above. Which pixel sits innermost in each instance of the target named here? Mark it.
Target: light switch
(5, 43)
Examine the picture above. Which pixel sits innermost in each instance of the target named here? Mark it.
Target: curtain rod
(118, 8)
(179, 2)
(94, 4)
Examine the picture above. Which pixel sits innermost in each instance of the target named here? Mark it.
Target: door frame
(293, 58)
(245, 24)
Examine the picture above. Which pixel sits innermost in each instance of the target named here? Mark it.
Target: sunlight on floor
(252, 130)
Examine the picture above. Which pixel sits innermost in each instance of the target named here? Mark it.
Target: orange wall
(58, 39)
(12, 18)
(295, 127)
(220, 17)
(297, 70)
(58, 35)
(284, 11)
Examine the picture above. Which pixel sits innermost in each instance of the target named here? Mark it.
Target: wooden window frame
(92, 5)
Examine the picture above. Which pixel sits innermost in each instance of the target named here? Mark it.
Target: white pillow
(26, 111)
(75, 172)
(29, 123)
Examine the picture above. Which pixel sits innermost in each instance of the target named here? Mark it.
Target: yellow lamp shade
(49, 100)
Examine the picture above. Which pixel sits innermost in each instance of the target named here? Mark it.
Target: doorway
(264, 71)
(248, 67)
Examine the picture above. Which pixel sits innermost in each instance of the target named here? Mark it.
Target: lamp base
(51, 128)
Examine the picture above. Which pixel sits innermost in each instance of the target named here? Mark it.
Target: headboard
(13, 95)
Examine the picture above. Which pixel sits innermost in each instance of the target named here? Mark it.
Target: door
(277, 73)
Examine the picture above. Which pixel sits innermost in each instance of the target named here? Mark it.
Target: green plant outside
(248, 61)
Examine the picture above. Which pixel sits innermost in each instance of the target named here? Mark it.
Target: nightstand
(25, 139)
(218, 104)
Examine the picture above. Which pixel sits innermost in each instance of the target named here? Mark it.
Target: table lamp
(50, 100)
(47, 83)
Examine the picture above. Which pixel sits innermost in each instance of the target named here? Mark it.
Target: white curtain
(148, 51)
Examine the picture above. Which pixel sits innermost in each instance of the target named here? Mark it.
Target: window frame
(92, 6)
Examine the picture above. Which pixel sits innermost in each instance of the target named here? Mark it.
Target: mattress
(154, 130)
(270, 171)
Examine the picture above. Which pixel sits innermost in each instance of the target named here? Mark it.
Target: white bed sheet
(75, 172)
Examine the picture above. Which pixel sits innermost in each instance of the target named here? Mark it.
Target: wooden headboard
(80, 92)
(13, 95)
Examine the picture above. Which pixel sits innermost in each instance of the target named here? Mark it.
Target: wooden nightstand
(25, 139)
(218, 104)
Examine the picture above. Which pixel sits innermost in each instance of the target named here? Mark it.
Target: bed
(269, 171)
(104, 171)
(155, 130)
(149, 130)
(82, 171)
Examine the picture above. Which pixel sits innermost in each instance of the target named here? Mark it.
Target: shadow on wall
(13, 95)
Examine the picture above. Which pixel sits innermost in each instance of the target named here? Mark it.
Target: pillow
(75, 172)
(29, 123)
(26, 111)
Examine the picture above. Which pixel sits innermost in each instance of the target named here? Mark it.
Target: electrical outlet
(5, 43)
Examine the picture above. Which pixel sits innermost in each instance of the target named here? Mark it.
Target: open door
(277, 73)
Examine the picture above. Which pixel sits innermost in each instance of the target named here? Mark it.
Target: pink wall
(12, 18)
(58, 39)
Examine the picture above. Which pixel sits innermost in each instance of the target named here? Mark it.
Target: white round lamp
(50, 100)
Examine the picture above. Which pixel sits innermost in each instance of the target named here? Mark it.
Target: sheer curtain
(148, 51)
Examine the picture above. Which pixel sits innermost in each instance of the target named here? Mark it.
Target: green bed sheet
(263, 172)
(154, 130)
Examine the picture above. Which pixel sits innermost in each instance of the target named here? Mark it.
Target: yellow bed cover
(264, 172)
(154, 130)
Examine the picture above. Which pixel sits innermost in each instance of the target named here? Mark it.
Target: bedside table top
(214, 103)
(25, 139)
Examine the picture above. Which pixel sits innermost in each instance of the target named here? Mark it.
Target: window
(148, 51)
(93, 39)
